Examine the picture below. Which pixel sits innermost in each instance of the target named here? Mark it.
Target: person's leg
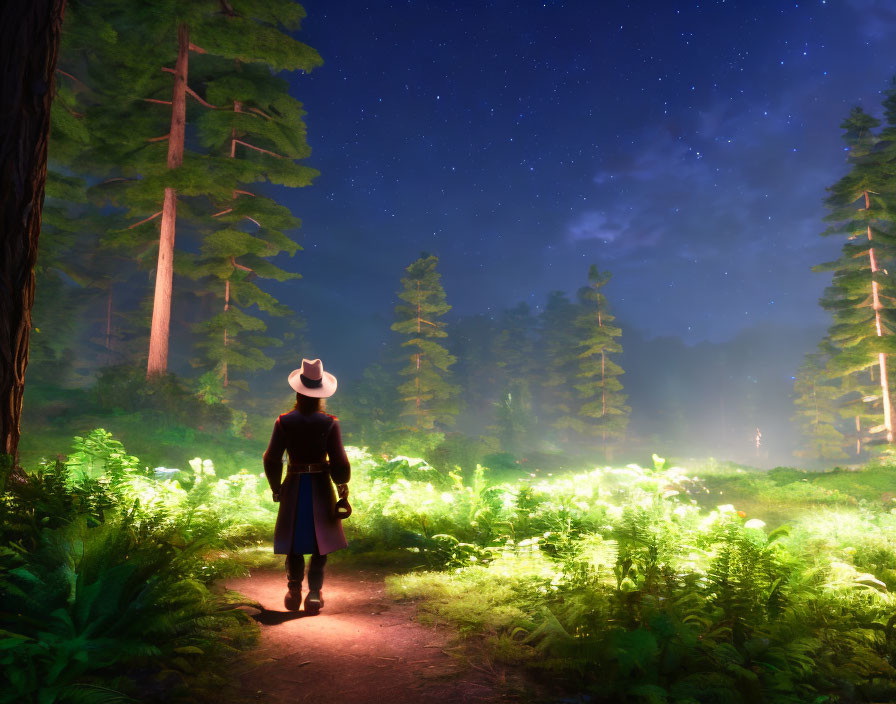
(316, 572)
(315, 601)
(295, 571)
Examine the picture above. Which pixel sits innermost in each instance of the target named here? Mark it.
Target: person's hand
(342, 490)
(275, 496)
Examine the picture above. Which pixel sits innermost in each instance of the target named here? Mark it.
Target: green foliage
(514, 416)
(615, 583)
(427, 397)
(603, 407)
(861, 295)
(109, 171)
(164, 400)
(100, 454)
(370, 412)
(104, 578)
(559, 341)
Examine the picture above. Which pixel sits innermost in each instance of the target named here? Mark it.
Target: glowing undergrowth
(617, 583)
(106, 575)
(625, 583)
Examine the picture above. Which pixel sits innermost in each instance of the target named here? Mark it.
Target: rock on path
(362, 648)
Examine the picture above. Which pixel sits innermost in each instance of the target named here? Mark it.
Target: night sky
(684, 146)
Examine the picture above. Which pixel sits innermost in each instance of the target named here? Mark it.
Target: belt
(307, 468)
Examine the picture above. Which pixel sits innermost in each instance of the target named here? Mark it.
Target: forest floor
(362, 648)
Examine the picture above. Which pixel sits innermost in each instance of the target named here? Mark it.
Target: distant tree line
(500, 379)
(844, 390)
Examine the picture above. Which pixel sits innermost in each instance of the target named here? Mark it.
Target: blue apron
(304, 540)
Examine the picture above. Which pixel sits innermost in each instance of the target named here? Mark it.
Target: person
(307, 523)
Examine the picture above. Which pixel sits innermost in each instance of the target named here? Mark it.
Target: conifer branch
(68, 75)
(240, 266)
(197, 49)
(151, 217)
(193, 93)
(190, 91)
(262, 113)
(159, 139)
(258, 149)
(244, 193)
(156, 100)
(230, 210)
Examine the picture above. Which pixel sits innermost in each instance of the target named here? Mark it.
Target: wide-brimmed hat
(312, 380)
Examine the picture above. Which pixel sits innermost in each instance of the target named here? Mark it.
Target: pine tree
(471, 341)
(58, 307)
(78, 272)
(859, 404)
(253, 133)
(861, 296)
(369, 410)
(817, 413)
(515, 417)
(514, 354)
(601, 397)
(555, 377)
(264, 123)
(428, 397)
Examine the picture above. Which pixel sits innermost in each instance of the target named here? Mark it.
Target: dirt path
(362, 648)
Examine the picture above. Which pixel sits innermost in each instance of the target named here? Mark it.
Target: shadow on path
(275, 618)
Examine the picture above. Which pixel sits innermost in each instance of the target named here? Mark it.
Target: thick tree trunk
(29, 49)
(161, 307)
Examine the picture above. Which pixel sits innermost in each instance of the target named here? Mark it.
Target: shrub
(104, 578)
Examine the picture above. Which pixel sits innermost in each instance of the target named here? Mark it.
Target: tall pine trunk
(417, 360)
(161, 307)
(226, 308)
(29, 49)
(237, 107)
(881, 357)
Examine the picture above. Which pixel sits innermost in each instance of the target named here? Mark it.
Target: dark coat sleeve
(273, 458)
(340, 470)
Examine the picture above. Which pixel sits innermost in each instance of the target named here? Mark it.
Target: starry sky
(684, 146)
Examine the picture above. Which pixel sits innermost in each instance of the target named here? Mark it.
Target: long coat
(307, 439)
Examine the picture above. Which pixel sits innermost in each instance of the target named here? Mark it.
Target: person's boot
(314, 602)
(295, 571)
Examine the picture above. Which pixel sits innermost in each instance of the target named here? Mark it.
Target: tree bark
(161, 307)
(29, 50)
